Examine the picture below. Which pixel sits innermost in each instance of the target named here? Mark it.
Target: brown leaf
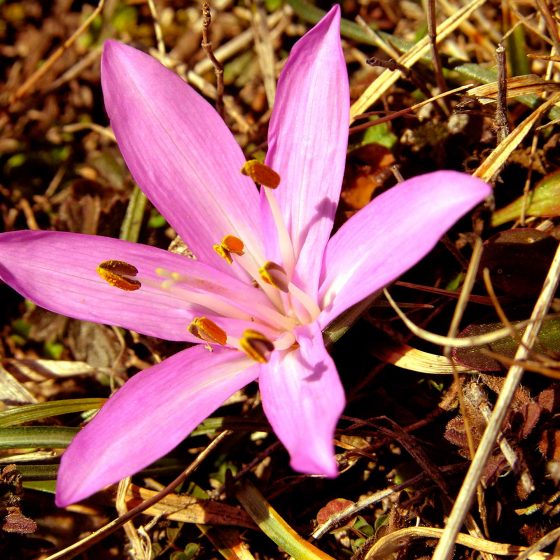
(16, 522)
(332, 508)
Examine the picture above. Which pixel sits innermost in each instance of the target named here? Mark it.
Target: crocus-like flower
(266, 279)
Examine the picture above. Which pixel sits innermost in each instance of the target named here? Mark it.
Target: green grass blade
(33, 412)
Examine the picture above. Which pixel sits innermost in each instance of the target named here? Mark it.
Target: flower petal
(391, 234)
(180, 152)
(303, 399)
(57, 270)
(149, 416)
(307, 140)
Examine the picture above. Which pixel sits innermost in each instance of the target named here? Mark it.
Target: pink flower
(267, 278)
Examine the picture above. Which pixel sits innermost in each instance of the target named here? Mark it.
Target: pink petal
(391, 234)
(57, 270)
(180, 152)
(303, 399)
(307, 140)
(153, 412)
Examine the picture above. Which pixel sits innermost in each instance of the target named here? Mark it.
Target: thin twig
(382, 84)
(501, 101)
(157, 28)
(478, 397)
(444, 550)
(29, 84)
(402, 112)
(462, 302)
(264, 50)
(237, 44)
(218, 66)
(106, 530)
(387, 543)
(461, 342)
(548, 539)
(432, 34)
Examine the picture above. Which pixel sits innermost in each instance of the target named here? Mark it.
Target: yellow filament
(207, 330)
(118, 274)
(256, 346)
(261, 173)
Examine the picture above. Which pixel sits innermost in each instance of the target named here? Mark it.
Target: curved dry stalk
(29, 84)
(87, 542)
(444, 550)
(412, 359)
(453, 342)
(390, 542)
(379, 86)
(157, 28)
(218, 66)
(531, 552)
(264, 50)
(493, 163)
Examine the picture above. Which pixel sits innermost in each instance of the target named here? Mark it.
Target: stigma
(119, 274)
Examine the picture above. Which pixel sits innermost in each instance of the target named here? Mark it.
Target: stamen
(230, 244)
(220, 300)
(118, 273)
(275, 275)
(261, 173)
(207, 330)
(302, 302)
(284, 240)
(256, 346)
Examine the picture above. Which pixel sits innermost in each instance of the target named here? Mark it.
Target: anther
(230, 244)
(118, 274)
(261, 173)
(275, 275)
(207, 330)
(256, 346)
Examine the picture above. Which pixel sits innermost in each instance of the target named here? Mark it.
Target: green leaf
(130, 228)
(41, 485)
(274, 527)
(32, 412)
(543, 202)
(474, 357)
(36, 436)
(53, 350)
(379, 134)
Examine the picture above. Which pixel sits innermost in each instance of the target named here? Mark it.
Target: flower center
(257, 316)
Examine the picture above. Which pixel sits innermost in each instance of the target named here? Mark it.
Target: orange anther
(230, 244)
(207, 330)
(256, 346)
(261, 173)
(275, 275)
(118, 273)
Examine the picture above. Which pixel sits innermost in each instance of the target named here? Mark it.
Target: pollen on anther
(275, 275)
(261, 173)
(229, 244)
(207, 330)
(256, 345)
(118, 274)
